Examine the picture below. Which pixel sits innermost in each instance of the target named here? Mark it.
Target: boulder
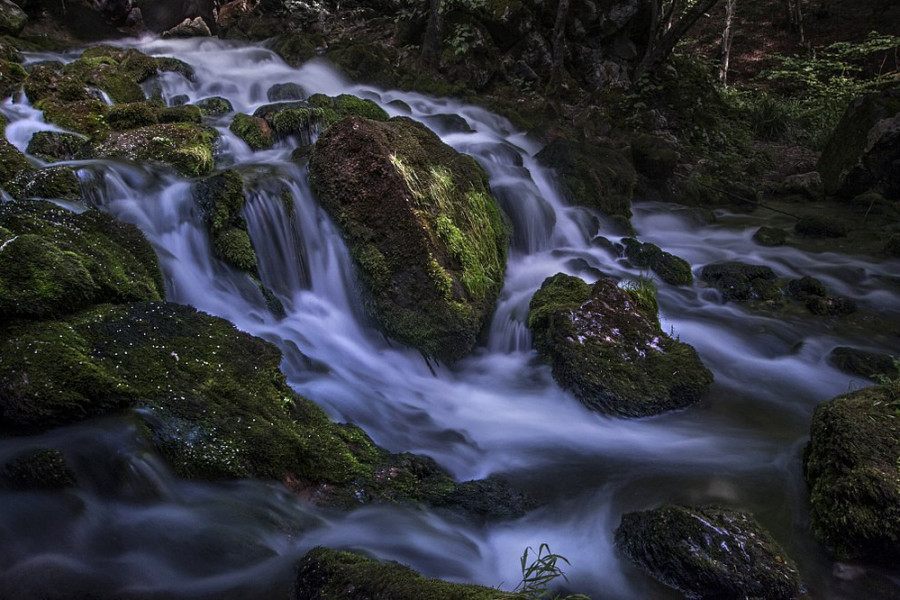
(871, 365)
(850, 465)
(221, 199)
(670, 268)
(770, 236)
(741, 281)
(863, 151)
(12, 18)
(55, 261)
(186, 147)
(325, 573)
(53, 146)
(808, 185)
(708, 552)
(428, 238)
(282, 92)
(37, 469)
(188, 28)
(605, 345)
(254, 131)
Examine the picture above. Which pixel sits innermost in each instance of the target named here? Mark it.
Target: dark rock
(850, 465)
(801, 289)
(708, 552)
(55, 261)
(739, 281)
(281, 92)
(605, 345)
(863, 150)
(325, 573)
(429, 239)
(447, 123)
(215, 106)
(54, 146)
(835, 307)
(770, 236)
(809, 185)
(864, 364)
(188, 28)
(670, 268)
(654, 157)
(12, 18)
(41, 469)
(818, 226)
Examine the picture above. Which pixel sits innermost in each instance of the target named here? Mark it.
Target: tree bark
(559, 43)
(795, 18)
(727, 36)
(431, 45)
(660, 50)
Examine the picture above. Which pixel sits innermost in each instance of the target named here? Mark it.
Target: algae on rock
(427, 235)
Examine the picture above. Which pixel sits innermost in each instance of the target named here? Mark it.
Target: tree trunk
(795, 18)
(431, 45)
(559, 43)
(660, 50)
(727, 35)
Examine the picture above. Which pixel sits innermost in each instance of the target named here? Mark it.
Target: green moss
(333, 575)
(215, 106)
(255, 132)
(221, 199)
(13, 166)
(670, 268)
(234, 247)
(739, 281)
(180, 114)
(604, 344)
(58, 183)
(40, 469)
(11, 77)
(87, 117)
(54, 146)
(850, 465)
(186, 147)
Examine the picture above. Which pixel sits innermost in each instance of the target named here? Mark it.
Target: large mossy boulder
(188, 148)
(55, 261)
(863, 150)
(325, 574)
(12, 18)
(593, 175)
(428, 237)
(605, 345)
(852, 467)
(708, 552)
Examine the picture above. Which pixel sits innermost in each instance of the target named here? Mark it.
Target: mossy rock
(871, 365)
(188, 148)
(121, 117)
(325, 574)
(592, 175)
(307, 118)
(39, 469)
(137, 65)
(214, 106)
(654, 157)
(851, 467)
(106, 74)
(53, 146)
(12, 75)
(282, 92)
(55, 261)
(12, 18)
(180, 114)
(53, 183)
(803, 288)
(254, 131)
(234, 246)
(770, 236)
(87, 117)
(740, 281)
(670, 268)
(708, 552)
(604, 344)
(819, 226)
(221, 199)
(429, 239)
(14, 166)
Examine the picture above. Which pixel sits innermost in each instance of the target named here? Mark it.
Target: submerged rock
(336, 575)
(55, 261)
(850, 465)
(605, 345)
(708, 552)
(428, 237)
(39, 469)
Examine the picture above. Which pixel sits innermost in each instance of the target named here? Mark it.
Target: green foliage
(541, 572)
(644, 292)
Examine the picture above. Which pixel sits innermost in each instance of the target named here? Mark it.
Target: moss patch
(221, 199)
(255, 132)
(187, 148)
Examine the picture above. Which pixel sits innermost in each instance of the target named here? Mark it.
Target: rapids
(498, 411)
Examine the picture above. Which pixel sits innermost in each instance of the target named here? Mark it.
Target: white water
(146, 534)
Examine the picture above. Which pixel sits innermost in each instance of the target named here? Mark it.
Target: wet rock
(803, 288)
(741, 281)
(13, 77)
(188, 28)
(52, 183)
(809, 185)
(132, 115)
(605, 345)
(428, 238)
(325, 573)
(708, 552)
(834, 307)
(14, 166)
(863, 150)
(670, 268)
(283, 92)
(55, 261)
(818, 226)
(654, 157)
(448, 123)
(215, 106)
(188, 148)
(850, 465)
(770, 236)
(871, 365)
(255, 132)
(40, 469)
(12, 18)
(221, 199)
(54, 146)
(592, 175)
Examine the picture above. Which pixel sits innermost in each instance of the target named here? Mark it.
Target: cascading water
(151, 535)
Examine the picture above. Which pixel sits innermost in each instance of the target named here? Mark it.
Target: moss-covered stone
(670, 268)
(180, 114)
(132, 115)
(186, 147)
(708, 552)
(593, 175)
(819, 226)
(307, 118)
(428, 237)
(55, 183)
(11, 77)
(281, 92)
(12, 18)
(40, 469)
(604, 344)
(14, 166)
(234, 246)
(770, 236)
(255, 132)
(654, 157)
(740, 281)
(215, 106)
(871, 365)
(221, 199)
(325, 574)
(851, 467)
(52, 146)
(55, 261)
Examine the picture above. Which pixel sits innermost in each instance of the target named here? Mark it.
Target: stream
(495, 412)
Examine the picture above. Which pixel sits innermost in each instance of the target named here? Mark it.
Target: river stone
(54, 146)
(221, 200)
(863, 150)
(12, 18)
(55, 261)
(670, 268)
(850, 465)
(708, 552)
(186, 147)
(741, 281)
(281, 92)
(325, 573)
(872, 365)
(428, 237)
(605, 345)
(38, 469)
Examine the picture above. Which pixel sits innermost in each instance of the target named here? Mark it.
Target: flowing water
(151, 535)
